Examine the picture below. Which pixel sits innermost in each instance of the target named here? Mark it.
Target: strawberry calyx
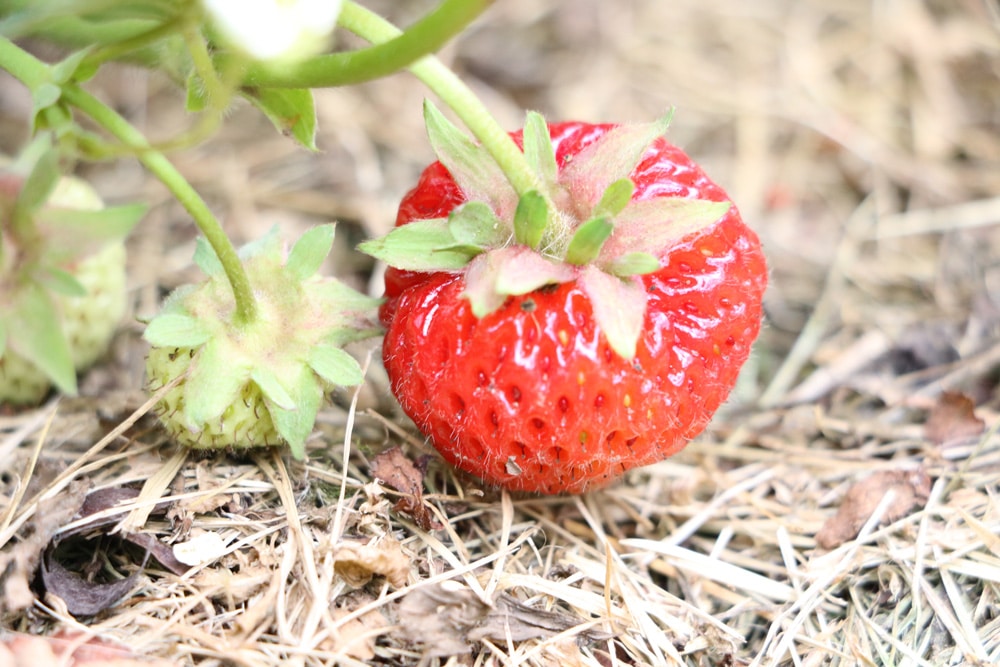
(52, 227)
(285, 359)
(580, 221)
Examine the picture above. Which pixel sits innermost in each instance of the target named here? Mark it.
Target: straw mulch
(841, 510)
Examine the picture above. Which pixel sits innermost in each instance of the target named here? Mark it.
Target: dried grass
(859, 138)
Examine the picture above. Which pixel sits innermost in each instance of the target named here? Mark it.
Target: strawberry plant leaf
(176, 330)
(615, 198)
(611, 158)
(60, 282)
(634, 264)
(655, 225)
(522, 271)
(215, 382)
(335, 366)
(291, 110)
(271, 387)
(75, 232)
(296, 425)
(538, 148)
(475, 224)
(44, 96)
(473, 169)
(39, 337)
(310, 250)
(422, 245)
(619, 308)
(531, 218)
(587, 241)
(205, 257)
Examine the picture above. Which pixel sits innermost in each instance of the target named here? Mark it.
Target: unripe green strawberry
(258, 382)
(62, 276)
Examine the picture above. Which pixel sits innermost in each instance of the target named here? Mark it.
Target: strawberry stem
(33, 73)
(453, 91)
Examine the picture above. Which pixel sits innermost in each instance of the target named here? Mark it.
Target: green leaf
(475, 224)
(176, 330)
(538, 148)
(587, 241)
(335, 366)
(615, 198)
(530, 219)
(60, 282)
(296, 425)
(634, 264)
(619, 308)
(472, 167)
(205, 257)
(39, 337)
(271, 387)
(310, 250)
(611, 158)
(422, 245)
(291, 110)
(215, 383)
(270, 244)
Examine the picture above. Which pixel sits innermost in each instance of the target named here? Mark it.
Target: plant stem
(33, 73)
(453, 91)
(164, 170)
(340, 69)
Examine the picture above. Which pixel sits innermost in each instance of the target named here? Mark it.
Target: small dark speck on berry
(528, 305)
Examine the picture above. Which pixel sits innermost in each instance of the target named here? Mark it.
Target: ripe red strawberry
(543, 384)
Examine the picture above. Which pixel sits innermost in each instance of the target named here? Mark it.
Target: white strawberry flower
(275, 29)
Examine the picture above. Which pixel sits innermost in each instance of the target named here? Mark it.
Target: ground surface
(861, 139)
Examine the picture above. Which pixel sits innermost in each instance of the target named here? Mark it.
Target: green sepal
(472, 167)
(291, 110)
(335, 366)
(271, 387)
(422, 245)
(41, 180)
(39, 337)
(538, 148)
(68, 69)
(215, 382)
(74, 232)
(295, 425)
(495, 275)
(615, 198)
(270, 244)
(60, 282)
(475, 224)
(176, 330)
(206, 259)
(531, 219)
(634, 264)
(654, 225)
(195, 99)
(619, 307)
(44, 96)
(587, 241)
(308, 253)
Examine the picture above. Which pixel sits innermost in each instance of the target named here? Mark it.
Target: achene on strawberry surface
(544, 389)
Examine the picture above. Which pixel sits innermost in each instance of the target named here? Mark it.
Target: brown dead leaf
(357, 563)
(70, 650)
(952, 419)
(395, 470)
(19, 560)
(356, 637)
(440, 616)
(911, 488)
(82, 597)
(512, 620)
